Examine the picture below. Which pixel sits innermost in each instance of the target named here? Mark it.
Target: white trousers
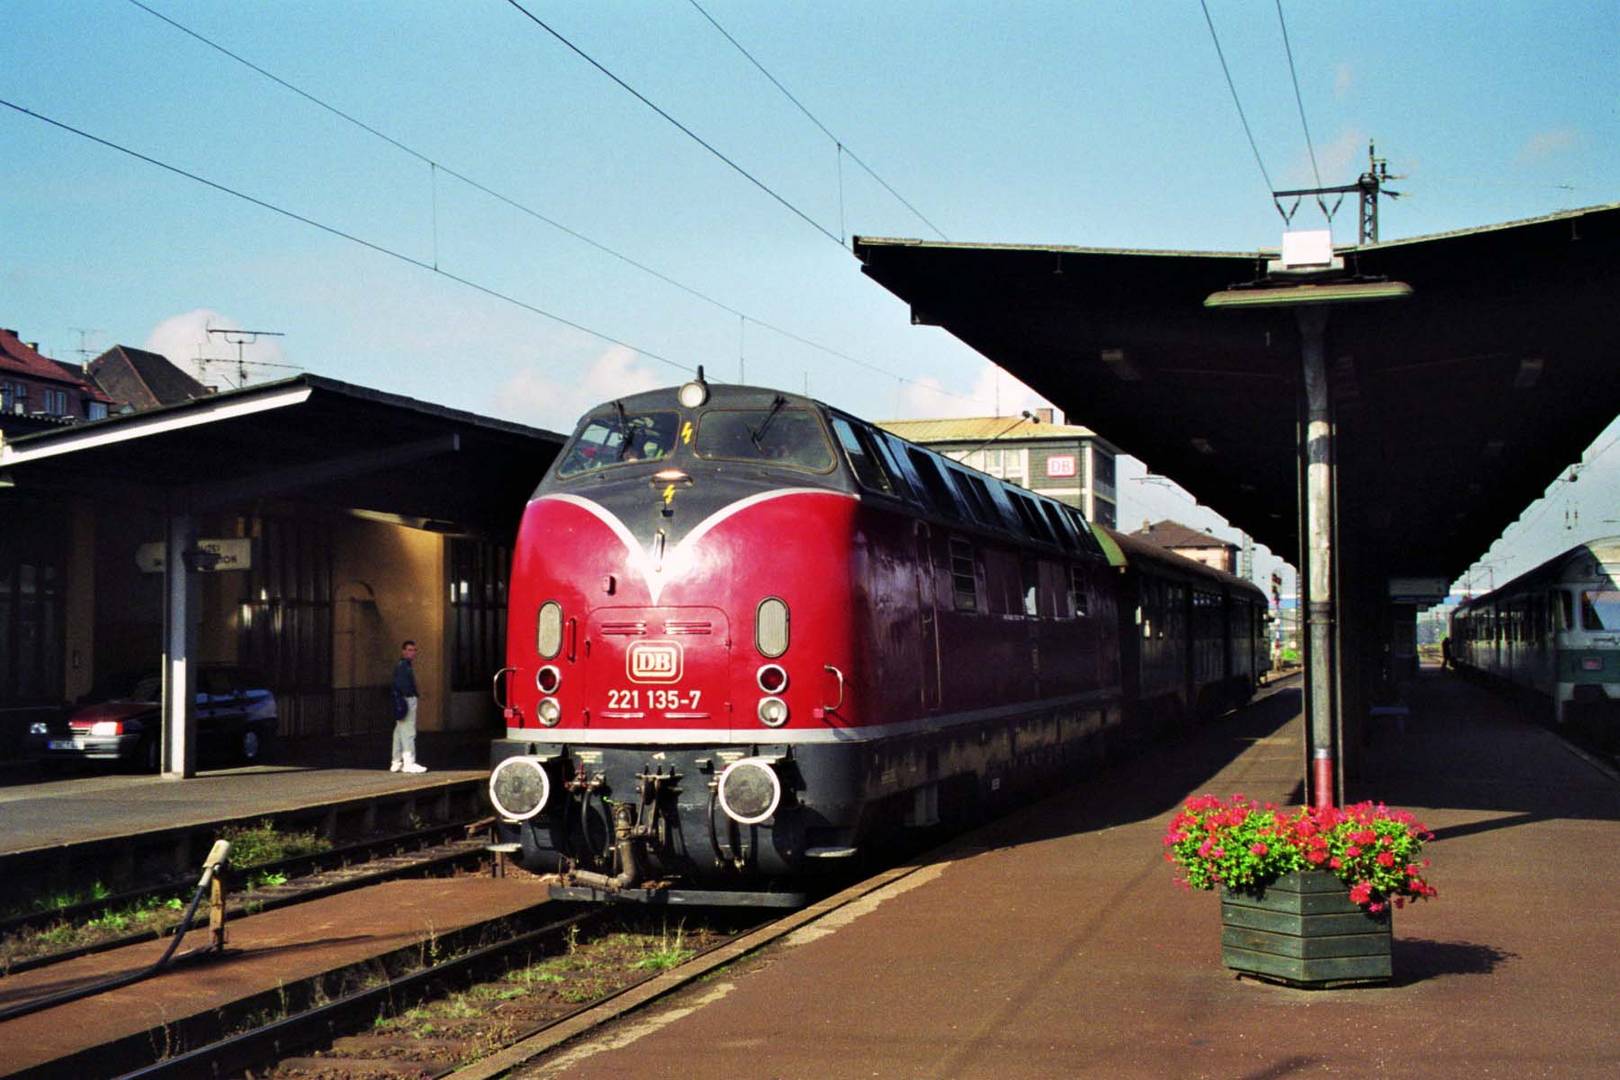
(405, 735)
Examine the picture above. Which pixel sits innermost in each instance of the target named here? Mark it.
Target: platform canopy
(1455, 407)
(308, 438)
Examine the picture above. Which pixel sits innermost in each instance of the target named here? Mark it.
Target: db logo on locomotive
(654, 662)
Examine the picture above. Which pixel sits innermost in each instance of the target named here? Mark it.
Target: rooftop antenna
(84, 349)
(239, 338)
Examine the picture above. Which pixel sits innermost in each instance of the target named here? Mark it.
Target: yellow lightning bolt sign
(669, 494)
(686, 433)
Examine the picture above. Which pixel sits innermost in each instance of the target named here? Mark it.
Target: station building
(1038, 451)
(317, 524)
(1190, 543)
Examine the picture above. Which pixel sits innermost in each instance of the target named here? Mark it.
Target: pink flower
(1257, 848)
(1352, 851)
(1335, 863)
(1361, 892)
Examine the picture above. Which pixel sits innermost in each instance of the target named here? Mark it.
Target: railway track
(439, 849)
(498, 1008)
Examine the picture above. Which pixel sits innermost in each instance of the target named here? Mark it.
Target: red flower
(1257, 848)
(1385, 859)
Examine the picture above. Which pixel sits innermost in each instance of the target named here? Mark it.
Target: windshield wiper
(776, 408)
(624, 431)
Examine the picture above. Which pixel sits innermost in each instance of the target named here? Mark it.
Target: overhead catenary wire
(341, 234)
(688, 132)
(1299, 100)
(1230, 85)
(437, 167)
(842, 148)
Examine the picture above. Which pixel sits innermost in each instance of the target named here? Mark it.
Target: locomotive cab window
(612, 437)
(778, 435)
(1600, 609)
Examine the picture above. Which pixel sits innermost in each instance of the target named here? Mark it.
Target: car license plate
(63, 744)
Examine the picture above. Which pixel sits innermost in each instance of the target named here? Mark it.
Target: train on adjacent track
(1553, 632)
(751, 635)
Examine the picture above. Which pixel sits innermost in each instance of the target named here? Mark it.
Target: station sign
(234, 554)
(1061, 465)
(1418, 590)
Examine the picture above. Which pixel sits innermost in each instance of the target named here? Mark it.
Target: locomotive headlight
(773, 711)
(750, 791)
(771, 627)
(548, 629)
(519, 788)
(549, 712)
(547, 679)
(693, 394)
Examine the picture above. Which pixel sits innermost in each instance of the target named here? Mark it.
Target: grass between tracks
(251, 846)
(467, 1024)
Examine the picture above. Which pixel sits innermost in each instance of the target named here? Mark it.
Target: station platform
(1054, 942)
(122, 828)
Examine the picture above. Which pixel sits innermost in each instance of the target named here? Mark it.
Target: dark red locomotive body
(749, 634)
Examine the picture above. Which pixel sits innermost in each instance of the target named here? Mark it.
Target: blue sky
(1099, 124)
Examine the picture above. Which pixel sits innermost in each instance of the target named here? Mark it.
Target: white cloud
(183, 339)
(1344, 80)
(1546, 144)
(533, 397)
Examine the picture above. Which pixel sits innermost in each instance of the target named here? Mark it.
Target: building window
(95, 410)
(16, 398)
(478, 575)
(56, 402)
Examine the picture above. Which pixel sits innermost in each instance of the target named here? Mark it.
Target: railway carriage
(1553, 632)
(1196, 639)
(750, 634)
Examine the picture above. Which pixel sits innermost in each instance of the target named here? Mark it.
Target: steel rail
(245, 904)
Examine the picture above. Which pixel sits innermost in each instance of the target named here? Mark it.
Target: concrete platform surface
(266, 951)
(1055, 944)
(94, 807)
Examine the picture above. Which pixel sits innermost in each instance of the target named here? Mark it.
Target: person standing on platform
(405, 698)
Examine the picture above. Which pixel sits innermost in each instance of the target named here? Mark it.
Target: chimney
(1147, 524)
(1044, 415)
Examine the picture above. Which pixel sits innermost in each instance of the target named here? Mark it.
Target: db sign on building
(1061, 465)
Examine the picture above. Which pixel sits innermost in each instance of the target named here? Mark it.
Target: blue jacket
(405, 678)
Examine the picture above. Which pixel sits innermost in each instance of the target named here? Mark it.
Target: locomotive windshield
(1600, 610)
(777, 435)
(613, 436)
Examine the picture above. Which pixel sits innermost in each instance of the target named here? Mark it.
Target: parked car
(121, 720)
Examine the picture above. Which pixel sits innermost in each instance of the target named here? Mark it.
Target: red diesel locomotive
(750, 634)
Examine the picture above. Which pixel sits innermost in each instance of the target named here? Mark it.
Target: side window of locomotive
(606, 439)
(863, 459)
(1564, 610)
(1079, 606)
(792, 437)
(963, 586)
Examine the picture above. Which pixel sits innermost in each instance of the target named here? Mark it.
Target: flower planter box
(1303, 930)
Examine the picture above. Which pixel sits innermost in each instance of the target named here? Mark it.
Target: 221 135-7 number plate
(673, 699)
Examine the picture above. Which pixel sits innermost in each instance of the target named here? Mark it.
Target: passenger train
(750, 636)
(1554, 632)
